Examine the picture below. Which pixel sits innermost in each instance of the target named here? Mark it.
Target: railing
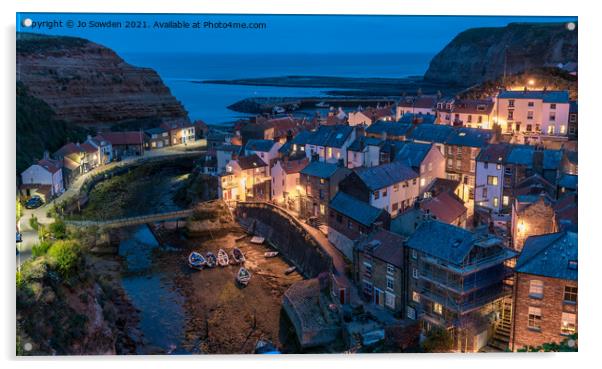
(472, 267)
(469, 283)
(135, 220)
(468, 304)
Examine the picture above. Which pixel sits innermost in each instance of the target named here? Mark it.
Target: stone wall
(286, 234)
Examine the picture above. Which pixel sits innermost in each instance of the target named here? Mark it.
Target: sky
(283, 33)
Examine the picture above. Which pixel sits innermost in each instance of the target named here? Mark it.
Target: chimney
(46, 155)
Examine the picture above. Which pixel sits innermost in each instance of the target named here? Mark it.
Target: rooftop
(384, 245)
(330, 136)
(385, 175)
(250, 161)
(358, 210)
(431, 133)
(320, 169)
(546, 96)
(445, 206)
(412, 153)
(471, 137)
(260, 145)
(551, 255)
(390, 128)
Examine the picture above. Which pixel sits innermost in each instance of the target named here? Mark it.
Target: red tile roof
(122, 138)
(445, 206)
(67, 149)
(50, 165)
(388, 248)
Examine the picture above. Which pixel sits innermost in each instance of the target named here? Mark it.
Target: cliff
(89, 84)
(479, 54)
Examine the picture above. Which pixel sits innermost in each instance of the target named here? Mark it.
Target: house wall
(377, 279)
(223, 157)
(432, 167)
(403, 196)
(493, 191)
(401, 110)
(538, 219)
(552, 306)
(356, 118)
(540, 121)
(37, 174)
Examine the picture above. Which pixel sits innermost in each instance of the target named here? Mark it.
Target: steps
(503, 328)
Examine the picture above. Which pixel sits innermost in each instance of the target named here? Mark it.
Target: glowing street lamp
(522, 227)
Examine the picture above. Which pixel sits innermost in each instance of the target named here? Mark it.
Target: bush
(33, 222)
(438, 340)
(66, 256)
(58, 230)
(41, 248)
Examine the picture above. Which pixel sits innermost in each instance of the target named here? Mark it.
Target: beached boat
(290, 270)
(211, 260)
(270, 254)
(222, 258)
(196, 260)
(257, 240)
(238, 256)
(243, 276)
(265, 347)
(322, 104)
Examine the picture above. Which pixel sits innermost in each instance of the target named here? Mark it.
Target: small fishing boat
(243, 276)
(290, 270)
(257, 240)
(238, 256)
(222, 258)
(211, 260)
(270, 254)
(322, 104)
(265, 347)
(196, 260)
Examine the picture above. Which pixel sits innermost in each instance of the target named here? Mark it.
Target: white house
(267, 150)
(534, 112)
(393, 187)
(425, 159)
(419, 105)
(46, 174)
(286, 189)
(224, 153)
(330, 143)
(466, 113)
(364, 152)
(489, 176)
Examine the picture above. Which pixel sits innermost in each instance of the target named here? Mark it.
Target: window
(396, 187)
(529, 127)
(536, 289)
(498, 166)
(415, 296)
(395, 207)
(552, 117)
(530, 115)
(496, 201)
(480, 120)
(322, 209)
(414, 254)
(437, 308)
(322, 181)
(492, 180)
(469, 119)
(562, 129)
(422, 182)
(430, 167)
(573, 118)
(321, 194)
(390, 300)
(485, 193)
(450, 163)
(349, 224)
(531, 104)
(329, 152)
(485, 165)
(505, 200)
(415, 273)
(568, 325)
(411, 313)
(550, 130)
(390, 283)
(472, 165)
(570, 294)
(458, 164)
(385, 192)
(553, 106)
(422, 168)
(368, 267)
(390, 269)
(376, 195)
(510, 103)
(510, 114)
(414, 181)
(534, 320)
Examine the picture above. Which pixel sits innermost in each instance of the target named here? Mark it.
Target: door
(342, 299)
(379, 298)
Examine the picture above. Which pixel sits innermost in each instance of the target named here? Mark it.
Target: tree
(58, 230)
(569, 344)
(438, 340)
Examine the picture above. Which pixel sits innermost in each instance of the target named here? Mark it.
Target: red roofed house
(127, 143)
(44, 179)
(180, 132)
(446, 207)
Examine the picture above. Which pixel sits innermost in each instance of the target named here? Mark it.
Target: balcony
(467, 284)
(467, 304)
(471, 266)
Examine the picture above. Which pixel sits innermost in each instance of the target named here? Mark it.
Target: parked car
(19, 237)
(33, 203)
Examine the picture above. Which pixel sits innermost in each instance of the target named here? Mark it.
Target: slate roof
(293, 166)
(441, 240)
(568, 181)
(471, 137)
(301, 138)
(362, 141)
(467, 106)
(552, 159)
(384, 245)
(358, 210)
(548, 255)
(421, 102)
(546, 96)
(330, 136)
(385, 175)
(521, 155)
(260, 145)
(417, 118)
(413, 153)
(445, 206)
(391, 128)
(494, 153)
(320, 169)
(250, 161)
(122, 138)
(431, 133)
(67, 149)
(155, 131)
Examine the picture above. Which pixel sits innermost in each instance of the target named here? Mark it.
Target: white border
(590, 245)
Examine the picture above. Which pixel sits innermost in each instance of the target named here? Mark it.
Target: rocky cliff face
(479, 54)
(89, 84)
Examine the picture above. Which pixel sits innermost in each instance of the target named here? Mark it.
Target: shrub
(66, 256)
(58, 230)
(438, 340)
(41, 248)
(33, 222)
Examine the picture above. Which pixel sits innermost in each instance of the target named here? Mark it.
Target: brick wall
(552, 306)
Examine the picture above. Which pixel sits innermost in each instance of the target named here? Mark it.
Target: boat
(222, 258)
(238, 256)
(211, 260)
(196, 260)
(265, 347)
(243, 276)
(290, 270)
(257, 240)
(270, 254)
(278, 110)
(322, 104)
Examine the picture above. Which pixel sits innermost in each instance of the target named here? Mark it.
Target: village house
(424, 105)
(43, 179)
(216, 139)
(389, 130)
(457, 281)
(123, 144)
(364, 152)
(573, 120)
(532, 215)
(393, 187)
(319, 184)
(466, 113)
(156, 138)
(329, 143)
(201, 130)
(379, 270)
(461, 150)
(446, 207)
(489, 185)
(286, 182)
(245, 179)
(370, 115)
(267, 150)
(410, 118)
(180, 131)
(349, 219)
(431, 133)
(424, 159)
(224, 153)
(545, 290)
(207, 164)
(275, 129)
(533, 112)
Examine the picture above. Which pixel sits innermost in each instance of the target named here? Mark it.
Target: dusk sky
(284, 34)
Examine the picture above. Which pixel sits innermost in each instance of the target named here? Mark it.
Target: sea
(209, 102)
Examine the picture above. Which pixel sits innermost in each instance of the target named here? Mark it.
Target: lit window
(562, 129)
(492, 180)
(496, 201)
(437, 308)
(322, 209)
(422, 182)
(505, 200)
(415, 296)
(568, 324)
(534, 319)
(536, 288)
(570, 294)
